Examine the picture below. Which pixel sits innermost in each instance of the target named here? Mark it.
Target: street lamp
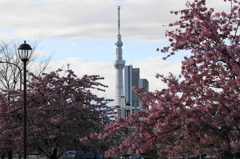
(24, 54)
(127, 109)
(20, 71)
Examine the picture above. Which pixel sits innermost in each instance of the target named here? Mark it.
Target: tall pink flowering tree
(61, 110)
(199, 111)
(9, 123)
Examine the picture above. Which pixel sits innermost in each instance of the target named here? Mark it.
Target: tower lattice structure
(119, 64)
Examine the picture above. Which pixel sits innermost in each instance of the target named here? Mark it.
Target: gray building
(132, 79)
(143, 83)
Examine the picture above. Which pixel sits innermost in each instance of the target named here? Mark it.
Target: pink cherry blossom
(199, 110)
(61, 110)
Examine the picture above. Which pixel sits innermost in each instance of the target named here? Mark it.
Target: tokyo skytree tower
(119, 64)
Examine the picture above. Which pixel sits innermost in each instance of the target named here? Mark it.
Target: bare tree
(11, 65)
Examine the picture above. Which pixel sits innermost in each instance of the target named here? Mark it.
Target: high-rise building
(132, 79)
(119, 64)
(143, 83)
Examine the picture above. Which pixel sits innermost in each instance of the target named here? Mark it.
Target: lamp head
(24, 51)
(127, 106)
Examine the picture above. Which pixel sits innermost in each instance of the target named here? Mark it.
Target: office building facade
(132, 79)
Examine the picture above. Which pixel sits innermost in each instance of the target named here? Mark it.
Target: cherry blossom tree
(198, 112)
(8, 125)
(61, 110)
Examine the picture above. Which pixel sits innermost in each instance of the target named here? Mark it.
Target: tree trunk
(54, 154)
(9, 154)
(2, 156)
(19, 156)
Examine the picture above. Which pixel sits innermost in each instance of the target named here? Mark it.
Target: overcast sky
(82, 33)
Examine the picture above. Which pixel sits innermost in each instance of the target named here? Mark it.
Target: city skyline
(82, 33)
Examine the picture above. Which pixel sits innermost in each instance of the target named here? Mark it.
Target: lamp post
(127, 109)
(7, 62)
(24, 54)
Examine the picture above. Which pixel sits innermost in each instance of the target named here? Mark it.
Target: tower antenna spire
(118, 19)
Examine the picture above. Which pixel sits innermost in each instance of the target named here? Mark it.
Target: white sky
(82, 33)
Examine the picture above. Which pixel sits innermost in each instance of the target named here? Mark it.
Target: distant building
(143, 83)
(132, 79)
